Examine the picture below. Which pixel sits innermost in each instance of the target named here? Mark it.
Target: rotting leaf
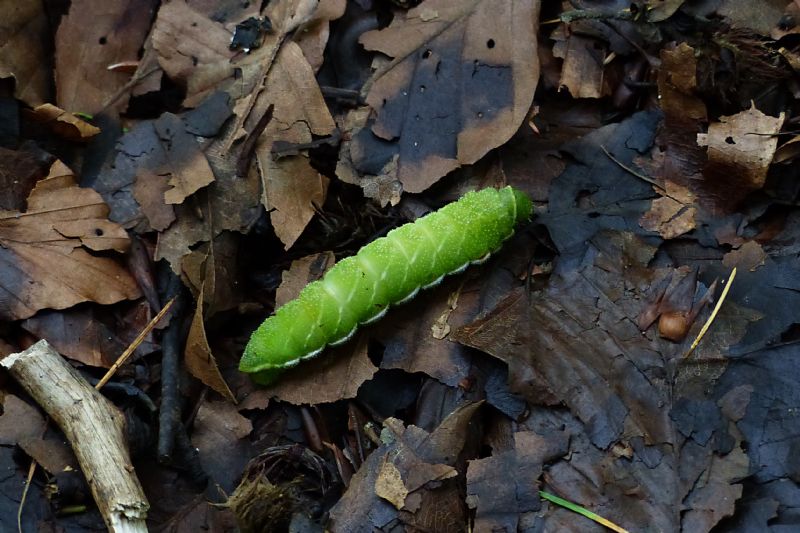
(220, 436)
(158, 164)
(749, 256)
(302, 272)
(423, 462)
(758, 15)
(598, 191)
(44, 263)
(648, 487)
(460, 83)
(86, 335)
(19, 172)
(19, 421)
(581, 332)
(502, 488)
(410, 343)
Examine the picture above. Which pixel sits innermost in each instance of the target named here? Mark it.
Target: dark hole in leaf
(102, 40)
(490, 43)
(99, 232)
(426, 54)
(730, 140)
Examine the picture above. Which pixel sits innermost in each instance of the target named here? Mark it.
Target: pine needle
(713, 315)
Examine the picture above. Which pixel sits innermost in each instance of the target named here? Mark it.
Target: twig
(135, 344)
(170, 412)
(95, 429)
(631, 171)
(249, 145)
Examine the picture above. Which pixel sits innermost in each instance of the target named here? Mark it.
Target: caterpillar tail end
(524, 205)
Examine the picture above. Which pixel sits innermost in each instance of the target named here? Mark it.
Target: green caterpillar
(388, 271)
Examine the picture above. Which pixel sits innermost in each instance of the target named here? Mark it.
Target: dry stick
(111, 371)
(135, 344)
(95, 429)
(169, 416)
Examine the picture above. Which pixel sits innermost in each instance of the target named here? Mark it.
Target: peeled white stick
(94, 427)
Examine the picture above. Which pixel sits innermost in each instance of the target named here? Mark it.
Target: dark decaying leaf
(424, 494)
(460, 83)
(573, 342)
(91, 337)
(599, 192)
(158, 164)
(500, 487)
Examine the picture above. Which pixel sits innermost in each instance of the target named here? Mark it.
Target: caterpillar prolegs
(388, 271)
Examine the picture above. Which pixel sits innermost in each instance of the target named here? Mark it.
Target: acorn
(674, 325)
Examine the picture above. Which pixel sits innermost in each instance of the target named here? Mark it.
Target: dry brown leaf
(64, 124)
(312, 37)
(192, 49)
(292, 187)
(24, 34)
(582, 69)
(43, 262)
(460, 83)
(740, 150)
(334, 375)
(184, 163)
(148, 190)
(389, 485)
(673, 214)
(94, 35)
(302, 272)
(214, 266)
(749, 256)
(199, 360)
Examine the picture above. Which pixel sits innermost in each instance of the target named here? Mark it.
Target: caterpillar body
(388, 271)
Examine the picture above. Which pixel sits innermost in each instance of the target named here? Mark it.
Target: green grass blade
(581, 511)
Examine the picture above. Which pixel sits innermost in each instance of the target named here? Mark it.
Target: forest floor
(632, 349)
